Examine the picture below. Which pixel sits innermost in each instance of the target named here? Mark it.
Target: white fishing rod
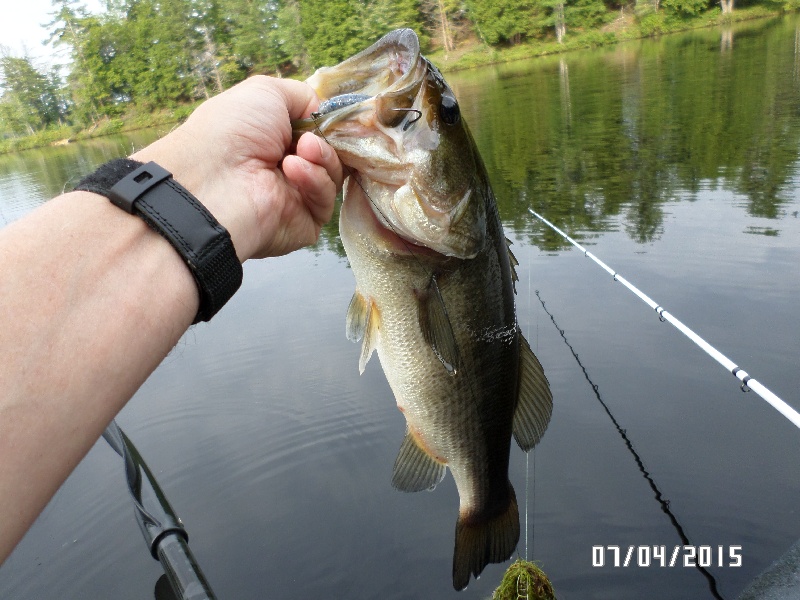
(748, 382)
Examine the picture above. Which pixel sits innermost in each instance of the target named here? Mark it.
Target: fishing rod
(163, 531)
(748, 382)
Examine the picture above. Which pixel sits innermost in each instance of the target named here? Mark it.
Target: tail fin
(479, 543)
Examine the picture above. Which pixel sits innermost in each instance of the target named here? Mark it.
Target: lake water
(676, 161)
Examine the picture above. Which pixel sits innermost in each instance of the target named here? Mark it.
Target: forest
(142, 56)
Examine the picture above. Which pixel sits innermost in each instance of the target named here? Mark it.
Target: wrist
(150, 192)
(204, 177)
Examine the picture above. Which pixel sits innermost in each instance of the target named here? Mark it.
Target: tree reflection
(612, 135)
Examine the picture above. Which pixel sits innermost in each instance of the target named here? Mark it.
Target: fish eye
(449, 111)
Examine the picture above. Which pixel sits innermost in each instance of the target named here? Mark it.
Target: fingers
(317, 151)
(317, 174)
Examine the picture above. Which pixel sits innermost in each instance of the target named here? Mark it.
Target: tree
(586, 14)
(690, 8)
(31, 99)
(446, 22)
(503, 21)
(73, 27)
(289, 35)
(337, 29)
(156, 43)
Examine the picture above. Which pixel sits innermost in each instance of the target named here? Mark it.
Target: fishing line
(748, 382)
(532, 450)
(527, 472)
(665, 504)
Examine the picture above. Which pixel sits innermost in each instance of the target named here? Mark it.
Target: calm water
(676, 160)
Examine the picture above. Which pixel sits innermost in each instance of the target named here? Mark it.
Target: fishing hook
(416, 118)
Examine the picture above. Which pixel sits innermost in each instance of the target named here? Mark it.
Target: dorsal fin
(513, 262)
(414, 469)
(436, 328)
(534, 399)
(362, 324)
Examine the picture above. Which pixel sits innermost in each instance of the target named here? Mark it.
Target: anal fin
(534, 399)
(357, 316)
(414, 469)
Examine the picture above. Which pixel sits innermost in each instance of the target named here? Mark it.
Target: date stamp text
(666, 556)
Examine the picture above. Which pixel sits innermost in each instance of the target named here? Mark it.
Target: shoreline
(624, 28)
(477, 54)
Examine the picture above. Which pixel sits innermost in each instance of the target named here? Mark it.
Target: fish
(435, 286)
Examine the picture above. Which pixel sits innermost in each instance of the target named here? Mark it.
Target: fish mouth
(379, 111)
(383, 79)
(360, 209)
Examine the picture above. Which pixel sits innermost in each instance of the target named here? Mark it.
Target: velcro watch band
(149, 191)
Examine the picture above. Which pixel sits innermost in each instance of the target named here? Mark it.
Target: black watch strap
(149, 191)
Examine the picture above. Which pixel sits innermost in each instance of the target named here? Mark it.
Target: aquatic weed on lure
(524, 581)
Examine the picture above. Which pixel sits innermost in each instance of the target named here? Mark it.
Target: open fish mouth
(382, 110)
(388, 73)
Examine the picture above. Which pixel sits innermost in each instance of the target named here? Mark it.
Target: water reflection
(29, 178)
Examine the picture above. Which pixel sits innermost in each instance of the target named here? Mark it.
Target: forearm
(107, 300)
(91, 299)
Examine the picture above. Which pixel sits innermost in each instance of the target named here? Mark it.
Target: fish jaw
(359, 219)
(373, 70)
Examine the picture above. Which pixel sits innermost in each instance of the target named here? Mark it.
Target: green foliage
(512, 21)
(595, 38)
(30, 99)
(146, 55)
(336, 29)
(652, 24)
(686, 8)
(586, 14)
(44, 137)
(503, 21)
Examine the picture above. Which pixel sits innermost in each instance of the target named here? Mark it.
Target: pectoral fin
(436, 327)
(414, 469)
(357, 316)
(362, 324)
(534, 399)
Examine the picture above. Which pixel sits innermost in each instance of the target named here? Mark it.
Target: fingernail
(324, 148)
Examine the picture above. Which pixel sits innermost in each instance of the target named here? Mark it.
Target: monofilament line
(527, 470)
(748, 382)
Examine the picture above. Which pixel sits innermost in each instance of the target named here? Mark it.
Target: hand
(234, 154)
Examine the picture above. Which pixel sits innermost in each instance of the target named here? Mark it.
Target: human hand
(234, 154)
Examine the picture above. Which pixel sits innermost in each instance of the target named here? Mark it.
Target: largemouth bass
(434, 287)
